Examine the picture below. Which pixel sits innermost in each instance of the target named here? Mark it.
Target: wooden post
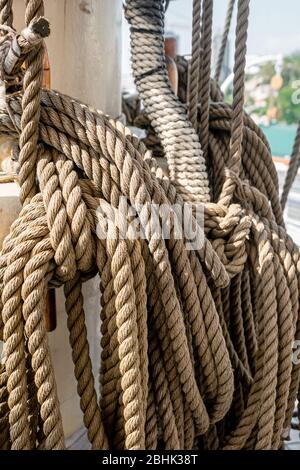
(84, 49)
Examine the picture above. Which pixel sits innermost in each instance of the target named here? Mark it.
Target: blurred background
(272, 74)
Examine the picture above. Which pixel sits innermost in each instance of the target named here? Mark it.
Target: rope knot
(229, 233)
(15, 49)
(66, 212)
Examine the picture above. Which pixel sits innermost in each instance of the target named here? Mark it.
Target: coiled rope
(196, 344)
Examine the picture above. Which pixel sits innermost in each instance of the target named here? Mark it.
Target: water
(281, 138)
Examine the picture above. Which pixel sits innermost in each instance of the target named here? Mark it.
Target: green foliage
(267, 71)
(289, 112)
(291, 69)
(228, 96)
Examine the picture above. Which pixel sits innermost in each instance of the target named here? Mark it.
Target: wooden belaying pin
(172, 73)
(50, 312)
(171, 46)
(47, 72)
(170, 51)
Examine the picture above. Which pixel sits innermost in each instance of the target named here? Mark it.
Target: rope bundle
(196, 344)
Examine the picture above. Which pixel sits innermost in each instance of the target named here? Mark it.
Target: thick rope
(256, 170)
(78, 152)
(33, 79)
(167, 115)
(196, 344)
(238, 100)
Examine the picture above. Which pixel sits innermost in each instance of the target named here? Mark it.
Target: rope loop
(16, 48)
(197, 325)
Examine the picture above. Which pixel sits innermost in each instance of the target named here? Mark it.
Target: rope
(224, 41)
(204, 79)
(253, 420)
(195, 64)
(67, 104)
(6, 13)
(166, 113)
(196, 343)
(292, 169)
(33, 79)
(238, 100)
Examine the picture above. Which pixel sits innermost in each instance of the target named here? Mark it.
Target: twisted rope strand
(193, 88)
(196, 344)
(224, 41)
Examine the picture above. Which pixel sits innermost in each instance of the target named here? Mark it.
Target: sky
(274, 26)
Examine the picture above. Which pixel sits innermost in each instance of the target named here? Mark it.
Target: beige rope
(196, 344)
(168, 116)
(88, 168)
(33, 79)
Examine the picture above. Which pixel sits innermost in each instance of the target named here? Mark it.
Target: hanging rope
(293, 168)
(168, 116)
(236, 136)
(33, 79)
(196, 344)
(224, 41)
(193, 88)
(204, 75)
